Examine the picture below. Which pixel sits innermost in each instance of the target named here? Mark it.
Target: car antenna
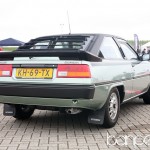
(69, 22)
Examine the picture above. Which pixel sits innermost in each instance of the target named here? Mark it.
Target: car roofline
(77, 34)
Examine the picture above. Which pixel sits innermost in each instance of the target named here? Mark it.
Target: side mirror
(145, 57)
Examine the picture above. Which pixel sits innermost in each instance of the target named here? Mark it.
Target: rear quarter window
(109, 49)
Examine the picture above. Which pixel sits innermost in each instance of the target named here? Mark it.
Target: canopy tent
(11, 42)
(146, 46)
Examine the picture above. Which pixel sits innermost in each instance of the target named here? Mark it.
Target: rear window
(40, 45)
(57, 45)
(59, 42)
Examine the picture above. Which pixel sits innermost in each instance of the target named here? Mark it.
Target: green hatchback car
(73, 73)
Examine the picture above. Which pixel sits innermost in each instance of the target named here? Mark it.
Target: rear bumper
(48, 91)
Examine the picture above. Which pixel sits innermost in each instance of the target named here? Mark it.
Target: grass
(142, 42)
(9, 48)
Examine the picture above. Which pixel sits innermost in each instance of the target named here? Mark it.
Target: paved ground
(48, 130)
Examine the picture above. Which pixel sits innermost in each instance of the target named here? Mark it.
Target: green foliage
(9, 48)
(142, 42)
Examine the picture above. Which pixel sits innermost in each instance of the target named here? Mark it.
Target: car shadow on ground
(53, 119)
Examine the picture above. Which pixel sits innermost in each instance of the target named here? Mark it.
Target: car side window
(127, 50)
(109, 49)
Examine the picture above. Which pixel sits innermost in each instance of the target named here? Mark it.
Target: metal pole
(69, 23)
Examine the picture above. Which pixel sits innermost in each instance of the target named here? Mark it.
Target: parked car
(73, 73)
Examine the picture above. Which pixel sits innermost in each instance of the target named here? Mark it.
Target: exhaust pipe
(73, 111)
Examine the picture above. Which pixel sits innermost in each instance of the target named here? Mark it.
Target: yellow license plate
(34, 73)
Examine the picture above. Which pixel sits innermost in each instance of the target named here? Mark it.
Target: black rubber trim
(115, 81)
(110, 82)
(48, 91)
(140, 76)
(34, 66)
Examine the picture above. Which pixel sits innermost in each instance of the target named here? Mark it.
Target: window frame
(131, 48)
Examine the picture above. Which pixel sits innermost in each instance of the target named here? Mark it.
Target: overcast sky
(27, 19)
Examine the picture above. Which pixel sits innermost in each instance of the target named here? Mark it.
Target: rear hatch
(46, 78)
(46, 64)
(62, 59)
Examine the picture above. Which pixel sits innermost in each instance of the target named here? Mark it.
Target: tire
(23, 111)
(146, 97)
(112, 109)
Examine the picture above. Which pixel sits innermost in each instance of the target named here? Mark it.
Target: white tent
(146, 46)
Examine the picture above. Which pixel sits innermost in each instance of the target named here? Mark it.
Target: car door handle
(133, 65)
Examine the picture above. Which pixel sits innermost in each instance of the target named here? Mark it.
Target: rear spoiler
(62, 54)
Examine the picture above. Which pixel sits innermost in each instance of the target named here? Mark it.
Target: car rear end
(23, 83)
(57, 76)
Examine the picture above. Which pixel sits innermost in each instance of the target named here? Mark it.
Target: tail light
(5, 70)
(73, 71)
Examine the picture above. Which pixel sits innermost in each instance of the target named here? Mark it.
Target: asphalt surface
(51, 130)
